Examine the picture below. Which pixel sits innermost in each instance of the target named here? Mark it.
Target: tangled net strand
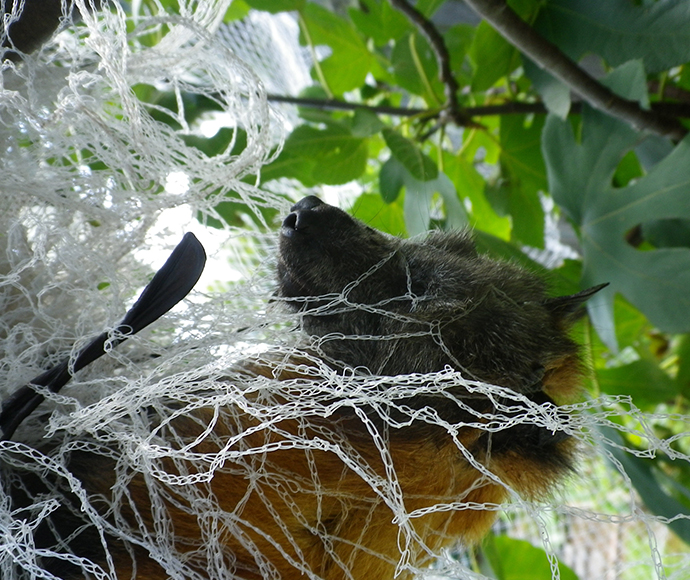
(83, 181)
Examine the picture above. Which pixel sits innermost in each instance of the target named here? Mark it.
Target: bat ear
(569, 307)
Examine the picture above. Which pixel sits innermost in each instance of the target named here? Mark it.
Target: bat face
(399, 306)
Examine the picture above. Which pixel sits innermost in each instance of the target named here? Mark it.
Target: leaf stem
(441, 137)
(420, 70)
(312, 49)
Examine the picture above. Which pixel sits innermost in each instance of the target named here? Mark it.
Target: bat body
(373, 306)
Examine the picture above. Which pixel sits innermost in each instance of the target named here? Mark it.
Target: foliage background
(484, 137)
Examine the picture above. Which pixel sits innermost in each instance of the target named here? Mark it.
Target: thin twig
(336, 105)
(312, 49)
(669, 91)
(509, 108)
(549, 57)
(450, 84)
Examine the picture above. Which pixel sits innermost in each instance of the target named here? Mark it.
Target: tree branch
(549, 57)
(508, 108)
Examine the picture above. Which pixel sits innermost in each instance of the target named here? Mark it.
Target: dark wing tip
(170, 284)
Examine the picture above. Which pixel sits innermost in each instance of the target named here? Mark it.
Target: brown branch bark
(549, 57)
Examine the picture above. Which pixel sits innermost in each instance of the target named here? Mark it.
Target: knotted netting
(89, 177)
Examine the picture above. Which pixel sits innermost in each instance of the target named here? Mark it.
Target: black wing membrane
(171, 284)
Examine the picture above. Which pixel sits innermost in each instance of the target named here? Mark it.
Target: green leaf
(492, 56)
(470, 184)
(581, 176)
(642, 475)
(366, 123)
(630, 80)
(652, 149)
(420, 165)
(456, 217)
(458, 41)
(526, 9)
(581, 182)
(620, 30)
(642, 379)
(554, 93)
(416, 70)
(347, 67)
(237, 10)
(631, 324)
(330, 156)
(418, 201)
(391, 179)
(482, 146)
(523, 169)
(512, 559)
(428, 7)
(275, 6)
(292, 165)
(628, 169)
(378, 20)
(386, 217)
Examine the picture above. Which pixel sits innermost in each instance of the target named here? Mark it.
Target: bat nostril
(290, 221)
(302, 216)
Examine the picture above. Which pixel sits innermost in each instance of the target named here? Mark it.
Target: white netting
(82, 185)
